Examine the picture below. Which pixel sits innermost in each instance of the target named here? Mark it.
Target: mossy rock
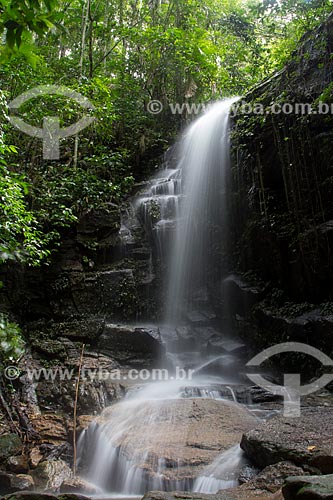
(10, 444)
(309, 488)
(51, 348)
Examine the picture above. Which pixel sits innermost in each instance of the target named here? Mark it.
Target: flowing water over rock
(164, 443)
(181, 434)
(225, 466)
(159, 208)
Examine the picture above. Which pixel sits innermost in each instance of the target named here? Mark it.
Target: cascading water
(222, 473)
(204, 166)
(160, 207)
(179, 211)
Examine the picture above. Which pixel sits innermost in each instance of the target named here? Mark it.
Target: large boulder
(184, 435)
(78, 485)
(27, 495)
(50, 475)
(305, 441)
(15, 482)
(309, 488)
(271, 478)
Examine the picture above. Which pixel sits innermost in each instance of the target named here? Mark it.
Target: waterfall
(204, 166)
(179, 209)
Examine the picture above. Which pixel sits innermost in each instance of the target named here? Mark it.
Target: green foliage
(64, 193)
(11, 341)
(120, 54)
(283, 23)
(20, 20)
(38, 199)
(327, 95)
(21, 237)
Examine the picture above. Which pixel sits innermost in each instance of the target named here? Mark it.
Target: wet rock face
(102, 291)
(241, 295)
(270, 317)
(43, 334)
(103, 273)
(314, 327)
(280, 195)
(305, 441)
(99, 225)
(134, 346)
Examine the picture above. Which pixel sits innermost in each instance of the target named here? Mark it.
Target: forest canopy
(121, 54)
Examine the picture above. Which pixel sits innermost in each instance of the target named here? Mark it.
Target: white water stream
(181, 206)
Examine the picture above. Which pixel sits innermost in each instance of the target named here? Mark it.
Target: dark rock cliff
(281, 200)
(103, 267)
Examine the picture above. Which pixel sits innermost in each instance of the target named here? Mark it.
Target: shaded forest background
(120, 54)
